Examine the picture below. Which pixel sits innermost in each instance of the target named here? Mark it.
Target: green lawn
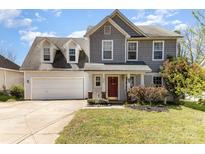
(179, 125)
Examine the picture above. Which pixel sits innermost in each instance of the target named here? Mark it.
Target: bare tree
(193, 44)
(8, 54)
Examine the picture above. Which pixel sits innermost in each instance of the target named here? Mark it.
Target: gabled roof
(106, 19)
(146, 31)
(31, 61)
(127, 21)
(8, 64)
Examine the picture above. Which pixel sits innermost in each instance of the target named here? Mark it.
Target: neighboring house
(113, 56)
(9, 74)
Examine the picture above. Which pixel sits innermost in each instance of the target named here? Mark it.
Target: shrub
(149, 95)
(17, 91)
(202, 101)
(180, 78)
(136, 94)
(97, 101)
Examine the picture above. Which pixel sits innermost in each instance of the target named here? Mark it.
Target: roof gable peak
(117, 12)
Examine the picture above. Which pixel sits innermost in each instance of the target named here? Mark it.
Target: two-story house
(112, 57)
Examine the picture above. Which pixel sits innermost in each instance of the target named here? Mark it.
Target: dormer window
(46, 55)
(107, 30)
(72, 55)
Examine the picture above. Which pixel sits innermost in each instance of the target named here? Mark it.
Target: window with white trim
(132, 50)
(158, 50)
(157, 81)
(107, 49)
(46, 55)
(97, 81)
(107, 30)
(72, 55)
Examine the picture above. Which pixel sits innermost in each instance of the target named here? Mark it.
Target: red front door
(113, 87)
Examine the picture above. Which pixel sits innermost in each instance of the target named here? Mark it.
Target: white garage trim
(33, 78)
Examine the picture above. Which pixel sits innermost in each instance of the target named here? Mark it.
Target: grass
(179, 125)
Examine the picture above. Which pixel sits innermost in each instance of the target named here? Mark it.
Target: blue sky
(18, 28)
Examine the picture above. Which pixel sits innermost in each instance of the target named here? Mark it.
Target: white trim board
(136, 50)
(163, 44)
(103, 51)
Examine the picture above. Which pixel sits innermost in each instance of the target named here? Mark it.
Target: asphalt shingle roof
(156, 31)
(6, 63)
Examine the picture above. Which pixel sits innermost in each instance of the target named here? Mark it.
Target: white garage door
(57, 88)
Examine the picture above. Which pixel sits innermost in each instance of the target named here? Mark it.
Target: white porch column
(128, 82)
(90, 82)
(142, 79)
(103, 82)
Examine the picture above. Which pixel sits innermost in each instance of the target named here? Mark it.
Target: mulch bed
(159, 108)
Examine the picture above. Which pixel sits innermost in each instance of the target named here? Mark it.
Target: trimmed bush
(202, 101)
(17, 91)
(144, 95)
(98, 101)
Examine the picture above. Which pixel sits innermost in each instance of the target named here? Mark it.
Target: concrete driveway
(35, 122)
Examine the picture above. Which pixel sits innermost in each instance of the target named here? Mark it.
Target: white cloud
(175, 22)
(162, 17)
(140, 15)
(39, 18)
(11, 18)
(181, 27)
(57, 12)
(29, 36)
(158, 17)
(77, 34)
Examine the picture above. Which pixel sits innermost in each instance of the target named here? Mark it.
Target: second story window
(72, 55)
(132, 51)
(46, 55)
(158, 51)
(107, 30)
(107, 49)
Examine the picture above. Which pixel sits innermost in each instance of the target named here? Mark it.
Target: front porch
(113, 85)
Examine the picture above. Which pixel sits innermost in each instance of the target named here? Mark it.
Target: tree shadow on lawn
(193, 105)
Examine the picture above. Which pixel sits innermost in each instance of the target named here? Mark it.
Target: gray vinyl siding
(138, 79)
(124, 26)
(96, 45)
(145, 53)
(148, 80)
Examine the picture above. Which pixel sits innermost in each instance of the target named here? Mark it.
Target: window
(72, 55)
(107, 49)
(158, 50)
(132, 50)
(97, 81)
(132, 81)
(157, 81)
(107, 30)
(46, 55)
